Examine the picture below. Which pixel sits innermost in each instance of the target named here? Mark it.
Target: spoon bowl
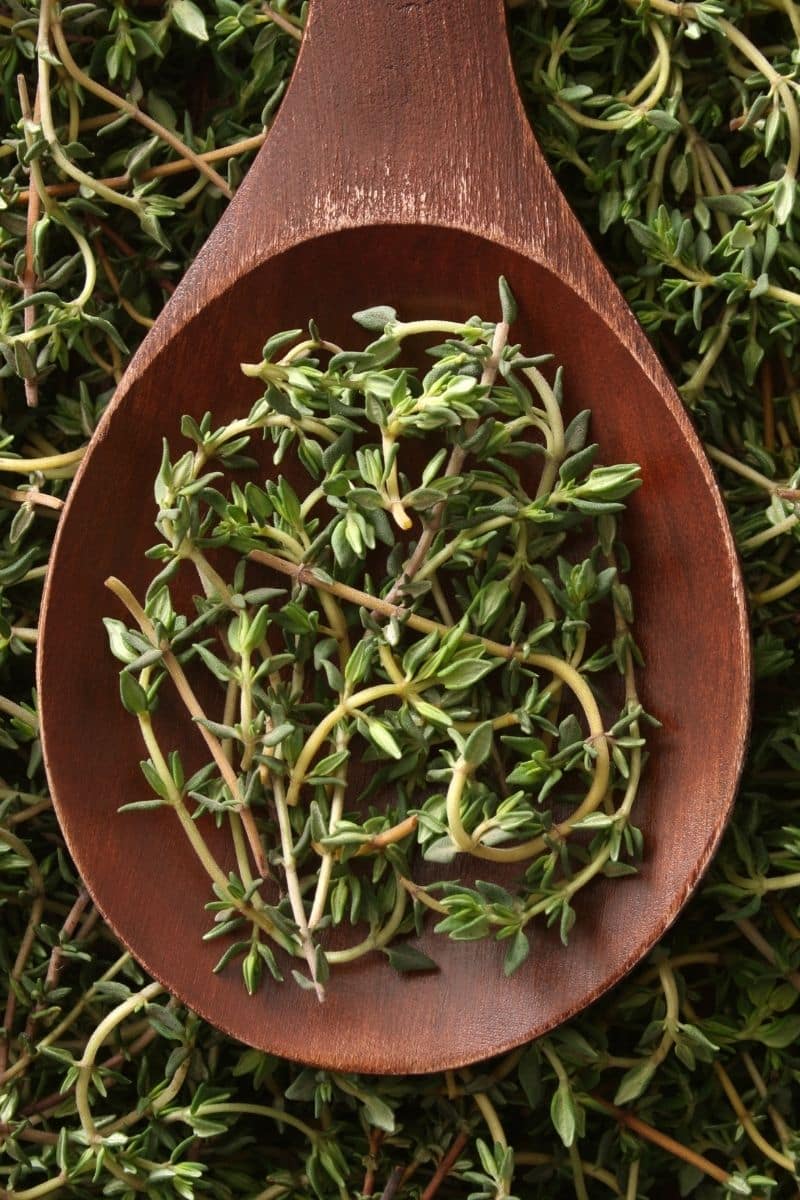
(357, 198)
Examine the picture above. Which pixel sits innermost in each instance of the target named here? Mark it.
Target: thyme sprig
(470, 698)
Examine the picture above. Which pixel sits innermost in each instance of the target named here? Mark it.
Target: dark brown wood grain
(401, 169)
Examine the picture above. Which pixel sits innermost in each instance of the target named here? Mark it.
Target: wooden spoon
(401, 169)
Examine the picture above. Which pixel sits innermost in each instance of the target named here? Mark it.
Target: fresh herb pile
(422, 659)
(674, 131)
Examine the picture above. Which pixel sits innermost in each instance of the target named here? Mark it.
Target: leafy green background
(674, 131)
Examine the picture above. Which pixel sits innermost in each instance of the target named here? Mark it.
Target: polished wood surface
(401, 169)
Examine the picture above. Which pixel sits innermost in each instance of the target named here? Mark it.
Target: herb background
(674, 130)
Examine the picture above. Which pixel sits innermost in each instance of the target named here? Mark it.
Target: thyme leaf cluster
(431, 629)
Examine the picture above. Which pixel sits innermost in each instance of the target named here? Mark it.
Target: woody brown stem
(370, 1175)
(28, 279)
(393, 1186)
(123, 301)
(31, 496)
(283, 23)
(71, 923)
(445, 1166)
(650, 1134)
(120, 182)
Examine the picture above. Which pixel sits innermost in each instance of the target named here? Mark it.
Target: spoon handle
(401, 82)
(403, 110)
